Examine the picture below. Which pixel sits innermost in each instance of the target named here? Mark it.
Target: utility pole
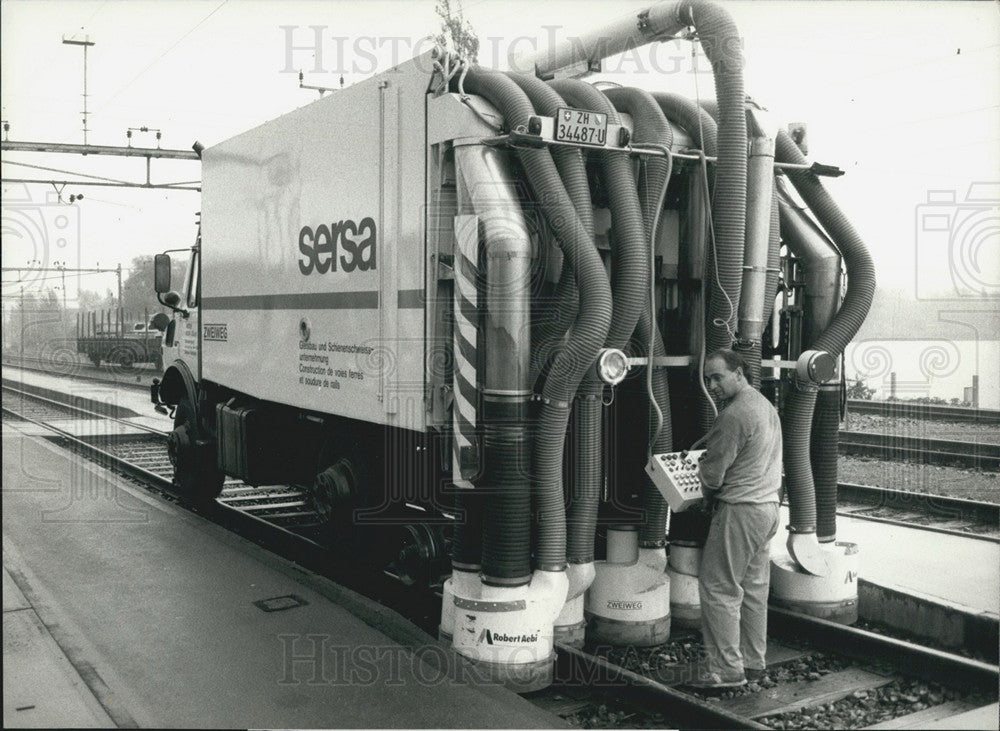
(22, 323)
(61, 268)
(86, 43)
(120, 314)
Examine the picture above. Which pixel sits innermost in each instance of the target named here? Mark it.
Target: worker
(740, 474)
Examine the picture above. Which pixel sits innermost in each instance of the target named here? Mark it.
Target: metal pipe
(820, 265)
(655, 23)
(11, 146)
(760, 184)
(506, 387)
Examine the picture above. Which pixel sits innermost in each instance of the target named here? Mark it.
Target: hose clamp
(816, 366)
(551, 402)
(660, 543)
(806, 529)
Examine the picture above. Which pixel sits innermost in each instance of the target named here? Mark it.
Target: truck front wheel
(192, 454)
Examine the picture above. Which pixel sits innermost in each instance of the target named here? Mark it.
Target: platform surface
(963, 573)
(41, 687)
(133, 399)
(153, 608)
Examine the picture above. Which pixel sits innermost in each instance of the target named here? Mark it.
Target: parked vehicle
(117, 337)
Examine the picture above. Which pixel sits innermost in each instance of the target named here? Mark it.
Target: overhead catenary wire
(156, 60)
(65, 172)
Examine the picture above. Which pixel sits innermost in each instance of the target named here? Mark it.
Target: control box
(675, 475)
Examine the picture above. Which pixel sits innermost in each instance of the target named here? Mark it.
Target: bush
(858, 390)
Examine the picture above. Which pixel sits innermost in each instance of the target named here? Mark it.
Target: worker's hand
(707, 505)
(708, 500)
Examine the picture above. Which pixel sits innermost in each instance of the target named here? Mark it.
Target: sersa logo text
(343, 245)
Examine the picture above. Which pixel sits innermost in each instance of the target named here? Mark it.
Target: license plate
(584, 128)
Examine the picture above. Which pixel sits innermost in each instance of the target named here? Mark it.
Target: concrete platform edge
(952, 625)
(436, 655)
(64, 637)
(98, 407)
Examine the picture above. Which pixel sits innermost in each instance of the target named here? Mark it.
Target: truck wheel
(125, 358)
(196, 473)
(340, 487)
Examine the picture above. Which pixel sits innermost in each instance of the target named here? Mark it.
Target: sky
(904, 96)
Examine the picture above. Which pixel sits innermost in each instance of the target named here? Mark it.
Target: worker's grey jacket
(743, 457)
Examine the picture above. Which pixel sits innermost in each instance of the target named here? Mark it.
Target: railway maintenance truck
(467, 311)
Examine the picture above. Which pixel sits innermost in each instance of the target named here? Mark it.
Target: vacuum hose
(845, 325)
(630, 275)
(650, 125)
(720, 39)
(569, 163)
(585, 339)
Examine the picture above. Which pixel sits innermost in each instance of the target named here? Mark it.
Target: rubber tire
(125, 358)
(196, 473)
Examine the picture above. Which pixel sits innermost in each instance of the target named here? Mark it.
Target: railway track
(938, 513)
(145, 457)
(813, 664)
(819, 675)
(135, 377)
(934, 412)
(967, 454)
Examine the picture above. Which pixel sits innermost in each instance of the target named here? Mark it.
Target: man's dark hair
(731, 358)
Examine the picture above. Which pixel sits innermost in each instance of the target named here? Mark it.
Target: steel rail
(105, 459)
(82, 410)
(949, 509)
(912, 659)
(946, 451)
(132, 372)
(577, 667)
(574, 666)
(292, 543)
(910, 410)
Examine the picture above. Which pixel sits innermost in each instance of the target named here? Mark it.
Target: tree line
(37, 320)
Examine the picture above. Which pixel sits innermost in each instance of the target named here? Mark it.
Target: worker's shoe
(755, 675)
(714, 681)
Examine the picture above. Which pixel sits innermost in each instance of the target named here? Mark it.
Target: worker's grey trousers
(733, 583)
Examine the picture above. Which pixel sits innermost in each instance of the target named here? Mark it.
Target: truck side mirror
(160, 321)
(171, 299)
(161, 273)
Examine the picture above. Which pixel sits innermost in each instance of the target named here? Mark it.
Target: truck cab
(180, 336)
(189, 444)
